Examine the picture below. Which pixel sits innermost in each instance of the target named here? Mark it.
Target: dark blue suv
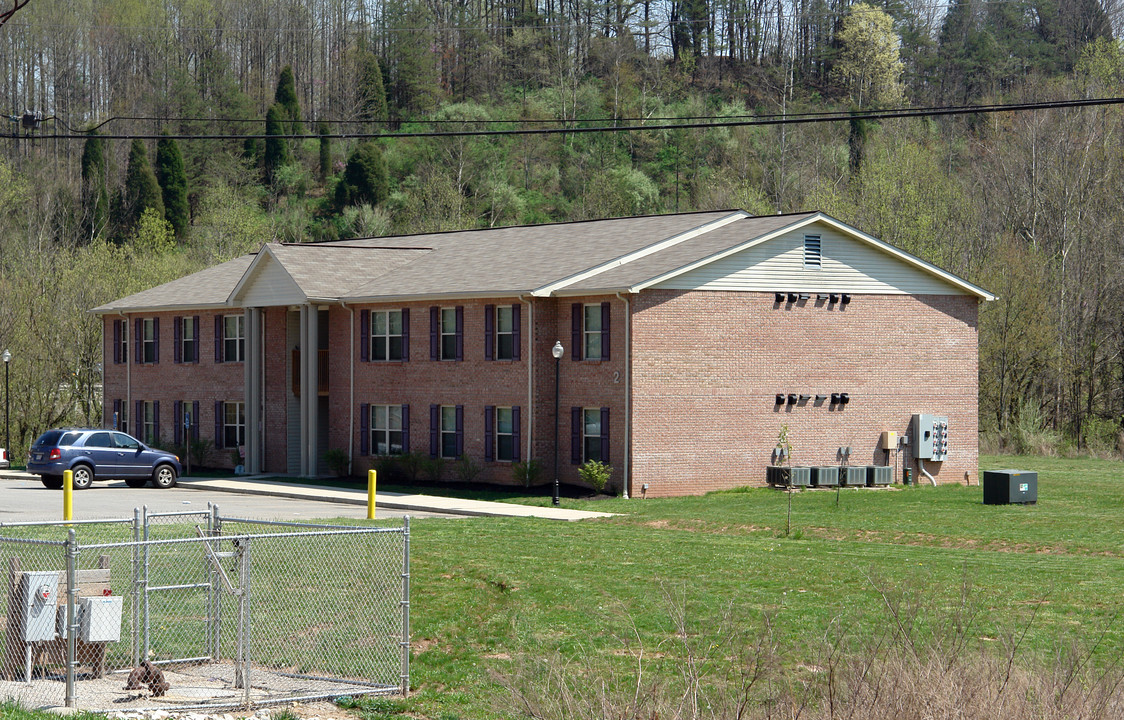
(100, 454)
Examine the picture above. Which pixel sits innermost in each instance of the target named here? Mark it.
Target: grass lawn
(495, 601)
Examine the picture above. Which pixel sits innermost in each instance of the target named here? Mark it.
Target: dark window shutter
(139, 354)
(515, 432)
(195, 420)
(405, 428)
(489, 330)
(156, 340)
(138, 413)
(177, 341)
(516, 332)
(434, 333)
(218, 338)
(575, 436)
(405, 338)
(604, 331)
(116, 414)
(116, 342)
(177, 422)
(364, 428)
(460, 335)
(489, 440)
(364, 337)
(434, 430)
(195, 342)
(605, 435)
(460, 430)
(218, 425)
(156, 422)
(576, 331)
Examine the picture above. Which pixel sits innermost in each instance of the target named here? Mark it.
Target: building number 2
(616, 376)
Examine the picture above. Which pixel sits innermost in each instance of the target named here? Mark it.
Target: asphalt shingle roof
(206, 288)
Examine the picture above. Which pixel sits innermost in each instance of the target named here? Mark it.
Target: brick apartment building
(688, 342)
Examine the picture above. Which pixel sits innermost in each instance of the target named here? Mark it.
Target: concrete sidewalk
(257, 485)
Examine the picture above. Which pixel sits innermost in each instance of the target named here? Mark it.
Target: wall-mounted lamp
(778, 297)
(804, 296)
(780, 399)
(821, 296)
(834, 297)
(793, 297)
(805, 398)
(846, 298)
(821, 398)
(834, 398)
(791, 399)
(844, 398)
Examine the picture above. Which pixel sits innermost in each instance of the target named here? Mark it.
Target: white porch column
(253, 368)
(310, 397)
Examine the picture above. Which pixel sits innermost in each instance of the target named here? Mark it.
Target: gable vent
(812, 253)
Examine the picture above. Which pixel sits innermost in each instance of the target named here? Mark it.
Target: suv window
(125, 441)
(100, 439)
(69, 439)
(49, 438)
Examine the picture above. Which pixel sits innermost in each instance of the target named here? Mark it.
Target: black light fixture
(778, 297)
(793, 297)
(844, 398)
(791, 399)
(846, 298)
(820, 398)
(804, 296)
(834, 297)
(822, 296)
(834, 398)
(780, 399)
(805, 398)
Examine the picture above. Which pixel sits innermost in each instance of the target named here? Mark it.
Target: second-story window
(448, 334)
(233, 338)
(189, 343)
(149, 340)
(386, 335)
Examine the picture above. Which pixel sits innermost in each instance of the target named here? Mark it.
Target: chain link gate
(232, 612)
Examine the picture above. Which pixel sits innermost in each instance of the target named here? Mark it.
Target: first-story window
(148, 423)
(448, 432)
(233, 338)
(120, 419)
(185, 417)
(589, 428)
(386, 430)
(233, 425)
(591, 435)
(505, 434)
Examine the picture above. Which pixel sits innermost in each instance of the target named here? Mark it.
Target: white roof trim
(841, 227)
(548, 290)
(251, 270)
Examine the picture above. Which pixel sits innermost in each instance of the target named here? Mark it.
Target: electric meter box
(1003, 487)
(889, 440)
(39, 592)
(100, 619)
(930, 434)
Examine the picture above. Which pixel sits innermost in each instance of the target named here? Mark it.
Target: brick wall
(708, 365)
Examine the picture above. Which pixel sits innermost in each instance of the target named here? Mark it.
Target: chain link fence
(196, 610)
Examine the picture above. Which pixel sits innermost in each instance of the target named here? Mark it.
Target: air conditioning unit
(853, 477)
(877, 475)
(827, 476)
(800, 477)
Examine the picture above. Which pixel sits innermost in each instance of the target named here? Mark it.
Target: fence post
(145, 580)
(404, 680)
(136, 585)
(71, 617)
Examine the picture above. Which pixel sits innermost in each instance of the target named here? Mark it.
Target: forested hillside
(180, 133)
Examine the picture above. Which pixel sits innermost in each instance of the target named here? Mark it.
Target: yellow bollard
(67, 495)
(371, 494)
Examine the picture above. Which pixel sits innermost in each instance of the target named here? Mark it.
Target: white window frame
(233, 416)
(447, 336)
(233, 338)
(125, 342)
(505, 329)
(448, 431)
(148, 428)
(385, 429)
(591, 331)
(595, 413)
(387, 336)
(500, 434)
(188, 340)
(148, 342)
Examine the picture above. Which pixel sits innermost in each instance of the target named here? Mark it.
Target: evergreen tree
(286, 97)
(371, 99)
(141, 190)
(95, 193)
(173, 184)
(276, 149)
(325, 151)
(364, 178)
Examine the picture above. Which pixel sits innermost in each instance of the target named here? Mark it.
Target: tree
(371, 95)
(173, 184)
(364, 178)
(142, 191)
(286, 97)
(95, 193)
(325, 151)
(276, 149)
(869, 62)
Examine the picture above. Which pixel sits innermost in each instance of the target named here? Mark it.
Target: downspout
(921, 467)
(351, 387)
(627, 390)
(530, 375)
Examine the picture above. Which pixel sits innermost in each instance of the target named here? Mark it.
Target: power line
(895, 114)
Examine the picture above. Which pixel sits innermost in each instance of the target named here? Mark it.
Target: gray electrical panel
(930, 433)
(39, 593)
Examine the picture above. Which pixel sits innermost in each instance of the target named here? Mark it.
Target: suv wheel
(51, 482)
(164, 477)
(83, 476)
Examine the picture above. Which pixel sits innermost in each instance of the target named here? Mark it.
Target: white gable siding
(849, 265)
(271, 285)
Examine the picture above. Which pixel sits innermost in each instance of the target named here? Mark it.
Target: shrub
(338, 462)
(466, 469)
(387, 467)
(433, 468)
(411, 465)
(1031, 436)
(596, 474)
(528, 472)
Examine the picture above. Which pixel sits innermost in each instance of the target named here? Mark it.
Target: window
(187, 339)
(120, 341)
(386, 335)
(233, 424)
(100, 440)
(505, 435)
(590, 337)
(125, 442)
(148, 423)
(812, 257)
(185, 417)
(386, 430)
(449, 432)
(120, 418)
(233, 338)
(448, 334)
(148, 340)
(589, 434)
(505, 333)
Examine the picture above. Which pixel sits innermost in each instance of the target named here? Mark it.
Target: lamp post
(7, 358)
(556, 351)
